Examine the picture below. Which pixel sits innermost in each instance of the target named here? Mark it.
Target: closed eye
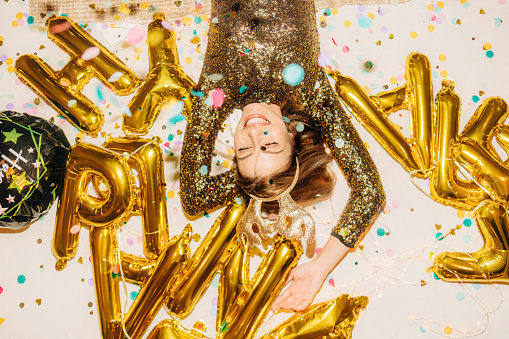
(244, 148)
(271, 143)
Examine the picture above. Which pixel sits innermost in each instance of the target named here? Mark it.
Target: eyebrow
(269, 152)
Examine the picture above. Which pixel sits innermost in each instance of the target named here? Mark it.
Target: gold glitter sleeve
(201, 191)
(367, 196)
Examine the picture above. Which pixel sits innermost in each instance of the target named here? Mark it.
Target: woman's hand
(305, 282)
(307, 279)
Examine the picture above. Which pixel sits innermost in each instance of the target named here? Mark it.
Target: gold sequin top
(250, 44)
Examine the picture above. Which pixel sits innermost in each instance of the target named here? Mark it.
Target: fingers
(290, 278)
(276, 305)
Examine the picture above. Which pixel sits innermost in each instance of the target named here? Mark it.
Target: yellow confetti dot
(144, 5)
(460, 214)
(371, 16)
(170, 194)
(366, 89)
(443, 73)
(442, 57)
(447, 330)
(334, 11)
(1, 38)
(440, 4)
(431, 28)
(14, 23)
(113, 25)
(322, 18)
(226, 164)
(187, 20)
(196, 237)
(80, 135)
(8, 61)
(230, 151)
(19, 15)
(123, 8)
(137, 57)
(188, 60)
(195, 40)
(117, 126)
(10, 69)
(464, 1)
(486, 46)
(348, 23)
(431, 7)
(2, 320)
(138, 50)
(413, 35)
(393, 80)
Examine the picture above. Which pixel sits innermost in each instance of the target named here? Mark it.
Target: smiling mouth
(256, 121)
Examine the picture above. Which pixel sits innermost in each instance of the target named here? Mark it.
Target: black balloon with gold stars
(33, 154)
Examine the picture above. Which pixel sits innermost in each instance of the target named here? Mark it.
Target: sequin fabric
(249, 46)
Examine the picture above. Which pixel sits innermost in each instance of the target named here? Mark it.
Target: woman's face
(262, 143)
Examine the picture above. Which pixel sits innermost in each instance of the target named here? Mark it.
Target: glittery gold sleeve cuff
(367, 196)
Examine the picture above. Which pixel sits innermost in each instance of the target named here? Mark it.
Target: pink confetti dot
(139, 239)
(387, 209)
(345, 49)
(21, 22)
(331, 282)
(217, 96)
(115, 269)
(389, 252)
(272, 216)
(502, 2)
(90, 282)
(135, 35)
(130, 241)
(1, 289)
(395, 203)
(318, 250)
(60, 28)
(90, 53)
(75, 229)
(9, 106)
(175, 211)
(214, 302)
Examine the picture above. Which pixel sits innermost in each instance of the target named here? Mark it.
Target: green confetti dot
(224, 327)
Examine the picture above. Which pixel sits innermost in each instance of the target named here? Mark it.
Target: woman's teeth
(256, 121)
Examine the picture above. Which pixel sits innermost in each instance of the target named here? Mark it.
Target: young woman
(250, 45)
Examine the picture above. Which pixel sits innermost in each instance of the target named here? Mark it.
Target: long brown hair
(316, 181)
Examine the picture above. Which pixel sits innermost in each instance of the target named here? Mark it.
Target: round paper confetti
(90, 53)
(293, 74)
(21, 279)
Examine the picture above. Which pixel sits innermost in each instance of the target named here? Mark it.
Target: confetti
(293, 74)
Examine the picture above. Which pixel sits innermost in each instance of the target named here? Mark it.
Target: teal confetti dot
(339, 143)
(204, 170)
(330, 28)
(498, 22)
(360, 57)
(490, 54)
(476, 286)
(435, 276)
(30, 20)
(422, 329)
(215, 281)
(213, 311)
(460, 296)
(197, 19)
(196, 94)
(265, 133)
(365, 22)
(206, 214)
(242, 89)
(171, 137)
(300, 127)
(126, 110)
(71, 103)
(380, 74)
(238, 200)
(467, 239)
(293, 74)
(133, 295)
(475, 98)
(21, 279)
(467, 222)
(215, 20)
(326, 12)
(380, 232)
(439, 236)
(285, 119)
(373, 85)
(435, 74)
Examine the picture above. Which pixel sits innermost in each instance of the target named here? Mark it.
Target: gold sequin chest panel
(249, 46)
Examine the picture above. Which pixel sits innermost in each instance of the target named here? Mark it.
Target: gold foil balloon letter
(62, 89)
(166, 79)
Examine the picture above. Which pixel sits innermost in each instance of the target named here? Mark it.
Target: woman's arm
(307, 279)
(199, 190)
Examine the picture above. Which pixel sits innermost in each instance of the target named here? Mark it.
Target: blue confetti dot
(126, 110)
(285, 119)
(197, 19)
(467, 239)
(215, 281)
(204, 170)
(365, 22)
(133, 295)
(490, 54)
(215, 20)
(330, 28)
(300, 127)
(467, 222)
(339, 143)
(293, 74)
(435, 74)
(380, 232)
(242, 89)
(21, 279)
(360, 57)
(460, 296)
(476, 286)
(380, 74)
(422, 329)
(238, 200)
(213, 311)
